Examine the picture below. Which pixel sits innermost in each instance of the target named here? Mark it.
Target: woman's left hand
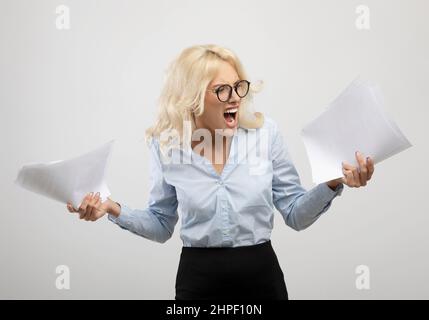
(355, 177)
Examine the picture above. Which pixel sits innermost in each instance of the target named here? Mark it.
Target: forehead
(226, 73)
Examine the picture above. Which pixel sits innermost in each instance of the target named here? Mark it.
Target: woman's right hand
(91, 208)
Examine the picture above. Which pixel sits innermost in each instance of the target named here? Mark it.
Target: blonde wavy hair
(187, 79)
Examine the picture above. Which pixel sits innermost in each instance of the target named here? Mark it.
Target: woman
(203, 165)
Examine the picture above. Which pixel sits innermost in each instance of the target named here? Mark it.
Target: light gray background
(63, 93)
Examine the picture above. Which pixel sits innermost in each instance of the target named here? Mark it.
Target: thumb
(105, 205)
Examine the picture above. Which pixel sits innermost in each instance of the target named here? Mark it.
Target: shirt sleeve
(157, 221)
(300, 208)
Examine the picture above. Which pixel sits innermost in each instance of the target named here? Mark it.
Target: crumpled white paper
(69, 180)
(354, 121)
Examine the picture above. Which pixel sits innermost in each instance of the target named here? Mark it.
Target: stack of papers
(354, 121)
(69, 180)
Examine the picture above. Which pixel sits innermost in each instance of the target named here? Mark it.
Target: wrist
(333, 184)
(114, 208)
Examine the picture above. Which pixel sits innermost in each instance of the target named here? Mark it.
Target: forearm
(147, 223)
(306, 208)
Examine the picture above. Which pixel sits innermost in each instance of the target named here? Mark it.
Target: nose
(234, 98)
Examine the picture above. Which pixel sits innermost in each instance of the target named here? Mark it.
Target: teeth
(234, 110)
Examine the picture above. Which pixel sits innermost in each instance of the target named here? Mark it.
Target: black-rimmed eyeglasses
(224, 91)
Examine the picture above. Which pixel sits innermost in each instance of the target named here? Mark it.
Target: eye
(221, 89)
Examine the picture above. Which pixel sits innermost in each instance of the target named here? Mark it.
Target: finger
(352, 174)
(370, 166)
(71, 208)
(344, 179)
(348, 166)
(92, 208)
(356, 177)
(84, 205)
(363, 172)
(94, 215)
(348, 177)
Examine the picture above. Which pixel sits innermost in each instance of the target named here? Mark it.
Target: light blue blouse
(235, 208)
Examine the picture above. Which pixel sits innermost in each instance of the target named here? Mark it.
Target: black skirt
(248, 272)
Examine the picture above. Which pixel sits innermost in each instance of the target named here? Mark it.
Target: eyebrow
(221, 84)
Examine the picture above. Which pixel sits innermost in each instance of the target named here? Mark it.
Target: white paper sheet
(69, 180)
(354, 121)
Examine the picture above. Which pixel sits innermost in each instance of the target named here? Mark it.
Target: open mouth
(231, 117)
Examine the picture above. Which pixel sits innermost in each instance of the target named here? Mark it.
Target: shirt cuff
(327, 194)
(123, 215)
